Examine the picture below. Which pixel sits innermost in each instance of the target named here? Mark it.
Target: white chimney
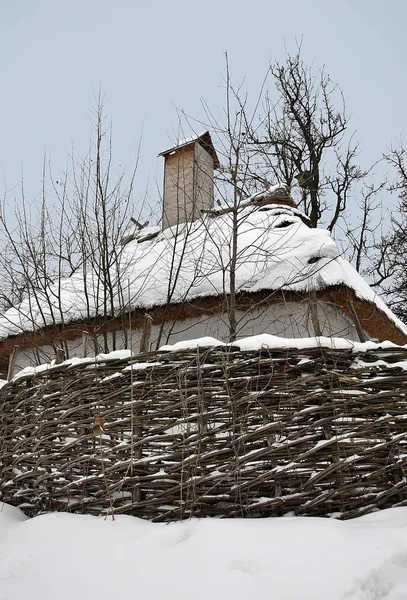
(188, 179)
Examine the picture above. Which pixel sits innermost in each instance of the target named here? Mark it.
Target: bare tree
(295, 132)
(103, 205)
(391, 248)
(365, 229)
(73, 232)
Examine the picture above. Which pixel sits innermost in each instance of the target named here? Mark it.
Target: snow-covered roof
(275, 251)
(203, 138)
(181, 143)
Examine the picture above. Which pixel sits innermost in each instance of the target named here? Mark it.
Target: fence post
(356, 321)
(313, 306)
(12, 363)
(146, 334)
(85, 343)
(59, 356)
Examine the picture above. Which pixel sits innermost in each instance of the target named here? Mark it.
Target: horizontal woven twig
(209, 433)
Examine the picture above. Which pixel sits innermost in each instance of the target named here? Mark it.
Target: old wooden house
(244, 269)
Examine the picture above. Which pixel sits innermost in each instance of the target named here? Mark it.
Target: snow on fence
(209, 432)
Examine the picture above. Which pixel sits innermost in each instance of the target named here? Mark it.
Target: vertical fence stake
(146, 334)
(12, 363)
(356, 321)
(60, 356)
(313, 305)
(85, 343)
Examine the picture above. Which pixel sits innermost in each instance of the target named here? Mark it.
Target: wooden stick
(85, 343)
(12, 363)
(146, 334)
(361, 333)
(313, 307)
(59, 356)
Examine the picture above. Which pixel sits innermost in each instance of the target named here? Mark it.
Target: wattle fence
(209, 432)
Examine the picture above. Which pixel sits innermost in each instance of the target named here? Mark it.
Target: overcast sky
(152, 56)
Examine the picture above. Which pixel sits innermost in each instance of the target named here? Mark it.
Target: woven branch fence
(214, 432)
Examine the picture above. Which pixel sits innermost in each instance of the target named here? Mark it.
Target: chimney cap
(204, 139)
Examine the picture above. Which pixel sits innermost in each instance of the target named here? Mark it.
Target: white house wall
(290, 320)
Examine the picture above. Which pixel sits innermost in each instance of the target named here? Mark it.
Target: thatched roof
(276, 252)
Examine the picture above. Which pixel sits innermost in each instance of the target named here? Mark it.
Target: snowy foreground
(62, 556)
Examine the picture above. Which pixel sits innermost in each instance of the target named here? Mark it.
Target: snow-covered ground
(71, 557)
